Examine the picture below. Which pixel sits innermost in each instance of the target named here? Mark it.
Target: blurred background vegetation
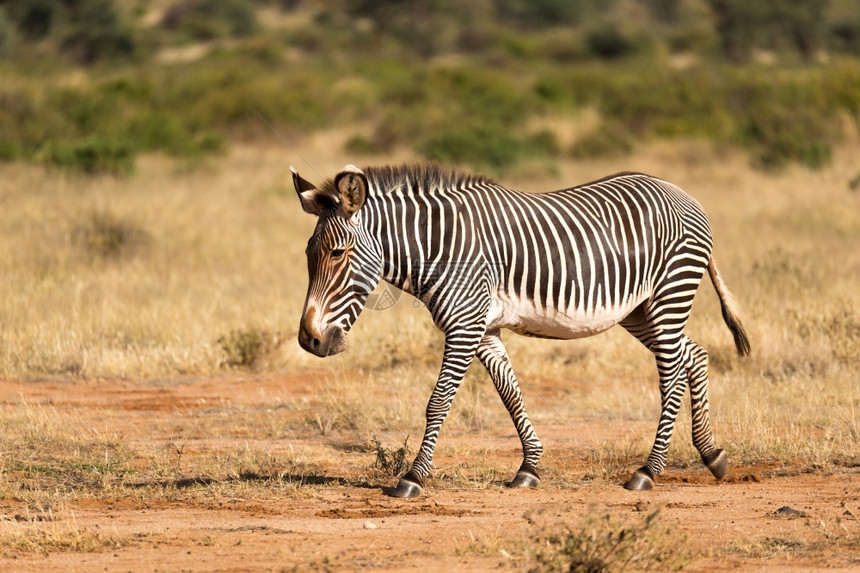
(89, 84)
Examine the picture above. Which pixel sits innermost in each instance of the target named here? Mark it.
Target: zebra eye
(337, 253)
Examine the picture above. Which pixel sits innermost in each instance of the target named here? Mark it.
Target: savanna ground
(157, 412)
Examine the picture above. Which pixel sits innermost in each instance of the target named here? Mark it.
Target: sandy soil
(339, 519)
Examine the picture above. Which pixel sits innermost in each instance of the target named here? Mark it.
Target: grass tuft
(604, 544)
(103, 235)
(246, 348)
(43, 537)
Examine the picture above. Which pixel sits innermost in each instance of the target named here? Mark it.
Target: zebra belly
(526, 318)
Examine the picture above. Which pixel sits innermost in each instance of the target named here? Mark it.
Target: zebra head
(344, 265)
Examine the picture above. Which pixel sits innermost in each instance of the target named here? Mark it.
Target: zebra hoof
(717, 462)
(524, 479)
(640, 481)
(405, 488)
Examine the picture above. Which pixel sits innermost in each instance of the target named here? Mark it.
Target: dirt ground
(337, 518)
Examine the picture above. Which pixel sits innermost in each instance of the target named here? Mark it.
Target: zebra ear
(351, 183)
(314, 201)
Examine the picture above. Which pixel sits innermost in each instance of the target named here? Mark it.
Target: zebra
(629, 249)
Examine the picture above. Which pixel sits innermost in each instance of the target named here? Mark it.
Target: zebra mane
(423, 176)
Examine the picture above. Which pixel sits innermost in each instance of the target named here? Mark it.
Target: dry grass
(604, 543)
(590, 542)
(42, 534)
(166, 273)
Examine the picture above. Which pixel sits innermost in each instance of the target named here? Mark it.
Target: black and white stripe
(628, 249)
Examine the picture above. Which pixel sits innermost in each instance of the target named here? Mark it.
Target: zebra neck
(417, 237)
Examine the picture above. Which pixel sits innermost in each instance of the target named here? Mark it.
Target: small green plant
(391, 462)
(602, 544)
(245, 348)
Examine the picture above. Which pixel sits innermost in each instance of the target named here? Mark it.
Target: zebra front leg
(673, 382)
(460, 348)
(494, 357)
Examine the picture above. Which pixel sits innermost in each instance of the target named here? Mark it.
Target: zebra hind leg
(494, 357)
(715, 459)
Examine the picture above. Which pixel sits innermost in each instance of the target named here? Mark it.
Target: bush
(744, 26)
(782, 134)
(92, 155)
(845, 36)
(540, 13)
(360, 145)
(782, 121)
(96, 32)
(33, 18)
(610, 139)
(89, 30)
(8, 34)
(608, 42)
(780, 117)
(453, 109)
(210, 19)
(490, 146)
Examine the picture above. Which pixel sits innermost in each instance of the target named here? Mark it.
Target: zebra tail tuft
(730, 309)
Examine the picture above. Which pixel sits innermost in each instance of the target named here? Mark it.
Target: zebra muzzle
(326, 343)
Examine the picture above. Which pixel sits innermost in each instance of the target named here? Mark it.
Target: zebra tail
(731, 312)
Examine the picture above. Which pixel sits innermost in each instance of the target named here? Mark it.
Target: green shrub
(845, 36)
(96, 32)
(841, 84)
(548, 57)
(787, 120)
(541, 13)
(610, 139)
(33, 18)
(779, 116)
(92, 155)
(360, 145)
(10, 150)
(490, 146)
(608, 42)
(208, 19)
(88, 30)
(781, 134)
(8, 34)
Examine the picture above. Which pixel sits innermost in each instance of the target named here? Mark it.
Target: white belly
(523, 317)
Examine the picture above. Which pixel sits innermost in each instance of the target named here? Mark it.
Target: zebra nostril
(315, 342)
